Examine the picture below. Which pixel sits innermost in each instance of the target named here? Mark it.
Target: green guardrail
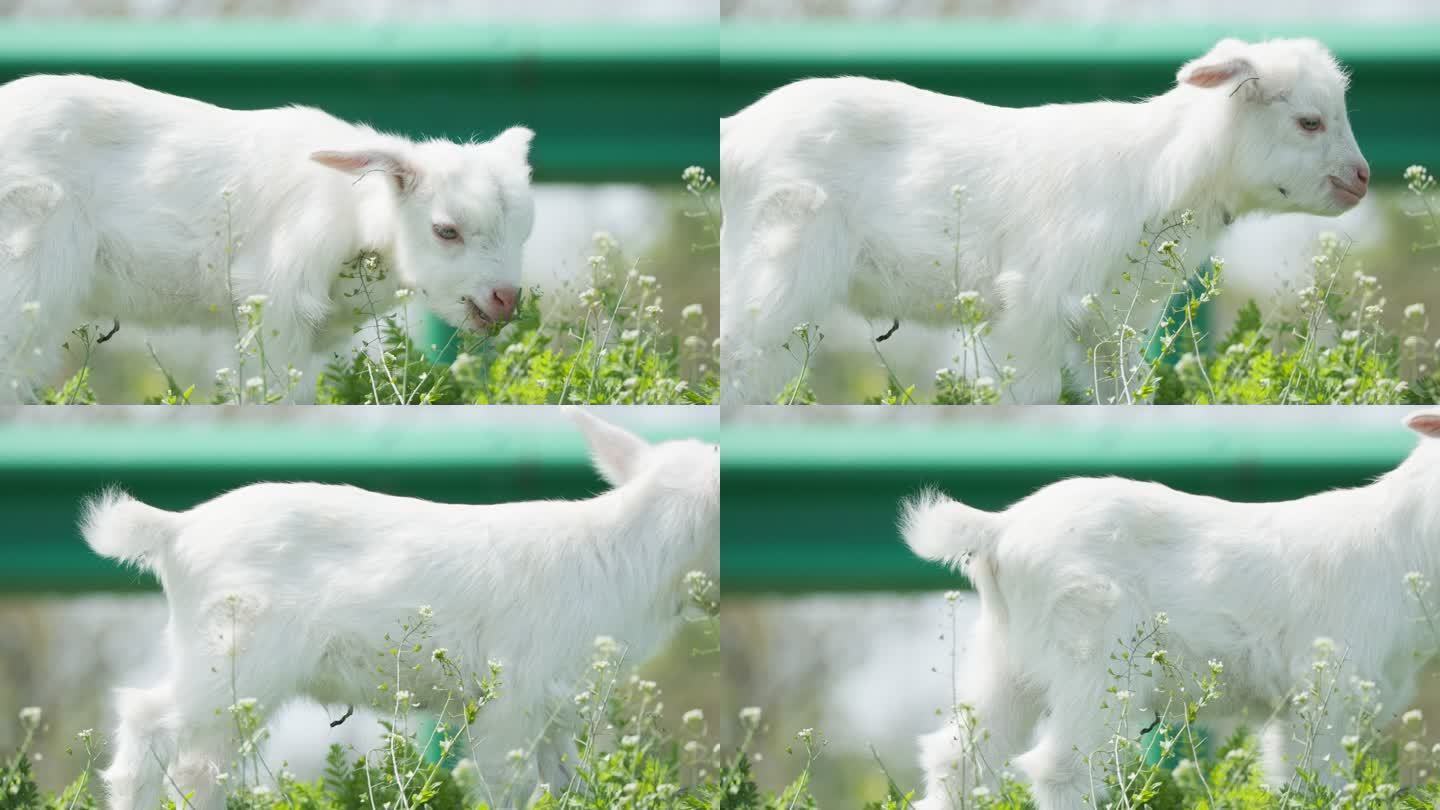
(1396, 69)
(813, 508)
(47, 470)
(608, 102)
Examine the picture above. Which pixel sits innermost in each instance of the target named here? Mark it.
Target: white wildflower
(606, 645)
(750, 717)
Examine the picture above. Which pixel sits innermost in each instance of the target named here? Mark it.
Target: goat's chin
(1343, 201)
(463, 316)
(1326, 205)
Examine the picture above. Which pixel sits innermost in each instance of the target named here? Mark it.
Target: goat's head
(687, 470)
(464, 212)
(1293, 146)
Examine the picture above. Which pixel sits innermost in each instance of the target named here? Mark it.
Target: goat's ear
(515, 141)
(364, 161)
(1426, 423)
(1225, 64)
(616, 453)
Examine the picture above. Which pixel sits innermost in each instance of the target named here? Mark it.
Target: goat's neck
(376, 220)
(659, 543)
(1185, 160)
(367, 278)
(1409, 525)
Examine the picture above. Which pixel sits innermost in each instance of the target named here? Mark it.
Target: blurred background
(830, 623)
(73, 626)
(607, 87)
(1031, 52)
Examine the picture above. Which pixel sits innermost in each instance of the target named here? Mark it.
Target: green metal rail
(608, 102)
(1392, 101)
(46, 472)
(813, 508)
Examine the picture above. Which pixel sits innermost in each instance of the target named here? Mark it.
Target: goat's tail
(938, 528)
(122, 528)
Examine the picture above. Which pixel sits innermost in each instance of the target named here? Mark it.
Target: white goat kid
(841, 192)
(1065, 572)
(125, 203)
(284, 588)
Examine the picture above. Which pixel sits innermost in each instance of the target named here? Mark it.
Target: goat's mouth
(1347, 194)
(476, 316)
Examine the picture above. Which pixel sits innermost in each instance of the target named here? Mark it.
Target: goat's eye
(446, 232)
(1308, 124)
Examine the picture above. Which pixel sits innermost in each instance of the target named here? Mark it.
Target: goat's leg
(1275, 754)
(218, 736)
(513, 724)
(288, 345)
(559, 757)
(232, 669)
(1036, 351)
(47, 259)
(1065, 765)
(783, 264)
(144, 748)
(992, 722)
(204, 752)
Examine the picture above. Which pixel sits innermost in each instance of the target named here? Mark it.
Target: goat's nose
(1362, 174)
(502, 302)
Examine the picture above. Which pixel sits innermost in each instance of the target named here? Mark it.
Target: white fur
(118, 202)
(837, 192)
(1064, 573)
(307, 578)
